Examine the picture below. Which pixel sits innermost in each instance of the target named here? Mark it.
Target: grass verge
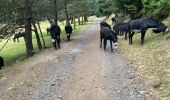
(152, 60)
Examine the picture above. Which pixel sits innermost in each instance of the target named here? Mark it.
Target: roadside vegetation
(151, 60)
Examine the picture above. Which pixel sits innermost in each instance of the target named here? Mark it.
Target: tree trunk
(42, 35)
(79, 20)
(37, 35)
(66, 12)
(82, 21)
(56, 12)
(27, 22)
(74, 19)
(85, 18)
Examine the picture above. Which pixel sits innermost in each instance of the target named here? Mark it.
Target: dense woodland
(16, 15)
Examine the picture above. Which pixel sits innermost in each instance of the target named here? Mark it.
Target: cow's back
(105, 32)
(135, 24)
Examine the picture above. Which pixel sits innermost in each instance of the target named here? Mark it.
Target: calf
(107, 34)
(19, 35)
(68, 30)
(105, 24)
(120, 28)
(55, 35)
(1, 62)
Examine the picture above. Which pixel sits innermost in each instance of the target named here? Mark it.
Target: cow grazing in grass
(121, 28)
(141, 25)
(55, 34)
(107, 34)
(68, 30)
(1, 62)
(105, 24)
(18, 35)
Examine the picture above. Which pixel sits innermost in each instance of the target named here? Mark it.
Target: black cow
(55, 35)
(18, 35)
(141, 25)
(68, 30)
(107, 34)
(105, 24)
(120, 28)
(1, 62)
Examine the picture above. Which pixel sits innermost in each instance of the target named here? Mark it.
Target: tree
(37, 35)
(27, 21)
(105, 7)
(131, 7)
(156, 9)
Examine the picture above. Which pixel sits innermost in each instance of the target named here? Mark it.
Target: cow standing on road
(68, 30)
(55, 34)
(107, 34)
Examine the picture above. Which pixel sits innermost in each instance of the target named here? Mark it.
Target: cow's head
(163, 28)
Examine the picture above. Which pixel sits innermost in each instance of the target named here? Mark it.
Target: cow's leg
(58, 42)
(17, 39)
(111, 45)
(101, 42)
(105, 43)
(126, 35)
(121, 33)
(69, 36)
(142, 37)
(130, 37)
(1, 62)
(54, 44)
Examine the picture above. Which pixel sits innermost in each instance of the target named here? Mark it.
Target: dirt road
(80, 70)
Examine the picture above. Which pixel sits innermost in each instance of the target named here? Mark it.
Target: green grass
(152, 59)
(15, 52)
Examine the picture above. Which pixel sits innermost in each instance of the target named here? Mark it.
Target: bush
(156, 9)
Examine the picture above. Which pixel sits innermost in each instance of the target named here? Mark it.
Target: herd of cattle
(130, 28)
(106, 32)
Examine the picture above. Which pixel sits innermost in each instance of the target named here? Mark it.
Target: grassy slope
(14, 52)
(153, 59)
